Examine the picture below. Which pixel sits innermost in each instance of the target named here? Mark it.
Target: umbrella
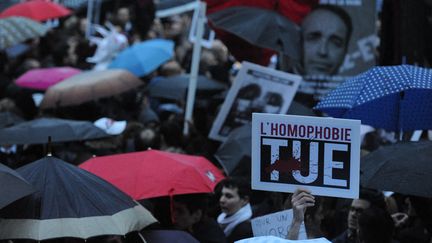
(395, 98)
(154, 173)
(175, 87)
(70, 203)
(232, 22)
(262, 27)
(168, 236)
(237, 146)
(88, 86)
(61, 130)
(404, 167)
(145, 57)
(297, 108)
(8, 118)
(38, 10)
(12, 186)
(43, 78)
(15, 30)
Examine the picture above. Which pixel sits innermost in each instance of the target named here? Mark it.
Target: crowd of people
(156, 123)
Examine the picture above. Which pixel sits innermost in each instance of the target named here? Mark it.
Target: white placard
(321, 154)
(274, 239)
(276, 224)
(255, 89)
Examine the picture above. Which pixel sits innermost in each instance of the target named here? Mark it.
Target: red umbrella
(155, 173)
(38, 10)
(43, 78)
(294, 10)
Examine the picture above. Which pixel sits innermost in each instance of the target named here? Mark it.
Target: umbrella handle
(142, 237)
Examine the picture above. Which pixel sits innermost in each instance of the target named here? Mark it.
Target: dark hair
(193, 202)
(243, 186)
(341, 13)
(376, 226)
(375, 197)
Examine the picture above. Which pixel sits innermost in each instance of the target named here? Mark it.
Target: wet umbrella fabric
(395, 98)
(70, 202)
(175, 87)
(43, 78)
(15, 30)
(154, 173)
(89, 86)
(61, 130)
(168, 236)
(403, 167)
(37, 10)
(12, 186)
(145, 57)
(235, 148)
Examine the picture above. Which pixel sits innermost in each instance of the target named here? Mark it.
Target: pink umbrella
(43, 78)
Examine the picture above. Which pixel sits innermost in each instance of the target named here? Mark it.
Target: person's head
(235, 194)
(123, 15)
(325, 33)
(188, 210)
(367, 199)
(375, 226)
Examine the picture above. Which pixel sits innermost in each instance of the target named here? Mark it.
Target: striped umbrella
(14, 30)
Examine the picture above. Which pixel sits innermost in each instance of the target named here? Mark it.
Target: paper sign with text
(276, 224)
(318, 153)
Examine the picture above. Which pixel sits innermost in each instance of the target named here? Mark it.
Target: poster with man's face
(339, 40)
(255, 89)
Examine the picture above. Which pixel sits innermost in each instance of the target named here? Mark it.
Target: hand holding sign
(300, 200)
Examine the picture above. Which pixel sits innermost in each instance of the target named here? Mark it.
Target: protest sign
(321, 154)
(276, 224)
(255, 89)
(274, 239)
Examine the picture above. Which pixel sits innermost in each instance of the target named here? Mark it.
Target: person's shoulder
(242, 231)
(342, 238)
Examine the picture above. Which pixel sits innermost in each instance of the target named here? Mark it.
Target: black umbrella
(61, 130)
(168, 236)
(175, 87)
(8, 118)
(403, 167)
(261, 27)
(12, 186)
(235, 148)
(70, 202)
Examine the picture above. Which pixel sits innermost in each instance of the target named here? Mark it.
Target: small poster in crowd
(255, 89)
(318, 153)
(276, 224)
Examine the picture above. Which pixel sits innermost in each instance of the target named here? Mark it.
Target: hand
(301, 200)
(399, 219)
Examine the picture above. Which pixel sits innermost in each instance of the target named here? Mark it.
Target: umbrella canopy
(403, 167)
(61, 130)
(43, 78)
(154, 173)
(175, 87)
(145, 57)
(168, 236)
(12, 186)
(14, 30)
(38, 10)
(396, 98)
(70, 202)
(237, 145)
(88, 86)
(261, 27)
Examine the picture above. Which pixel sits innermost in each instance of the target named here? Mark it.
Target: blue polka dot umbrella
(395, 98)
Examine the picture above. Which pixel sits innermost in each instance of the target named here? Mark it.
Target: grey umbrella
(61, 130)
(12, 186)
(260, 27)
(403, 167)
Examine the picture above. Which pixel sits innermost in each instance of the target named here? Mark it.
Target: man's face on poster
(325, 38)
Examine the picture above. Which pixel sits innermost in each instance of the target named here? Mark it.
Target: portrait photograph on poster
(255, 89)
(317, 153)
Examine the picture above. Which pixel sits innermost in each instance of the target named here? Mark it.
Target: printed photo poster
(255, 89)
(345, 55)
(318, 153)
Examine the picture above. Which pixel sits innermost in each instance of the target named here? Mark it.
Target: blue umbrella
(145, 57)
(69, 202)
(395, 98)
